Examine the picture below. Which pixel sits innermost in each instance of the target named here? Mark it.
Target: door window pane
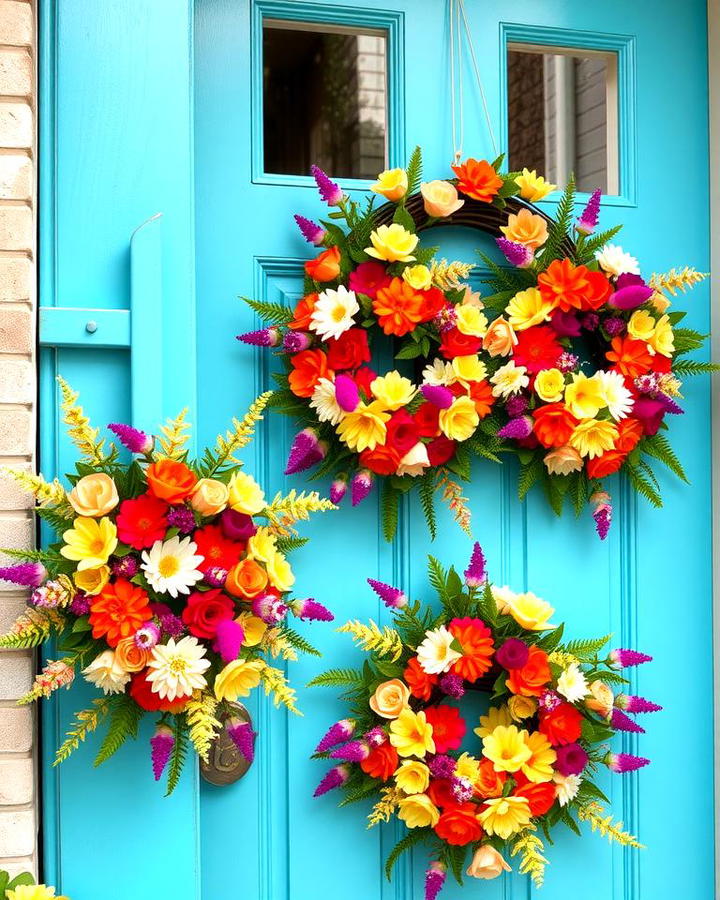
(324, 100)
(562, 115)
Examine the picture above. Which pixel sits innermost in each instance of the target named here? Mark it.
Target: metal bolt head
(91, 326)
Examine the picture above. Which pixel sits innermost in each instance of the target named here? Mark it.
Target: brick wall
(18, 819)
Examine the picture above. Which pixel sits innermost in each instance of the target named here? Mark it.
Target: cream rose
(94, 495)
(440, 198)
(487, 863)
(390, 698)
(210, 497)
(601, 698)
(563, 461)
(460, 420)
(500, 338)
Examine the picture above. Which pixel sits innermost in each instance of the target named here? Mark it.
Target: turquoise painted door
(172, 120)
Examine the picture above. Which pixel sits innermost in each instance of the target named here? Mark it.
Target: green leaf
(691, 367)
(559, 229)
(337, 678)
(641, 484)
(273, 313)
(528, 476)
(288, 544)
(586, 649)
(414, 171)
(390, 511)
(426, 492)
(487, 605)
(551, 641)
(597, 242)
(24, 878)
(437, 577)
(409, 351)
(178, 755)
(299, 642)
(403, 217)
(568, 820)
(125, 716)
(415, 836)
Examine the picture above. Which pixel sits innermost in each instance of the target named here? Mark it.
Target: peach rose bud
(500, 338)
(487, 863)
(390, 698)
(94, 495)
(440, 198)
(210, 497)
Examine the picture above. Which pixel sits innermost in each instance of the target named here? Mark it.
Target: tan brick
(16, 780)
(24, 864)
(17, 278)
(10, 609)
(16, 729)
(16, 23)
(16, 675)
(16, 177)
(11, 496)
(15, 432)
(16, 332)
(15, 73)
(17, 833)
(17, 381)
(16, 125)
(17, 228)
(15, 533)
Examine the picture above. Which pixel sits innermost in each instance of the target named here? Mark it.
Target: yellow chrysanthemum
(496, 715)
(585, 397)
(506, 748)
(641, 325)
(392, 243)
(539, 766)
(533, 187)
(365, 428)
(280, 572)
(413, 777)
(33, 892)
(528, 308)
(245, 495)
(471, 320)
(411, 734)
(460, 420)
(89, 542)
(418, 811)
(468, 767)
(418, 277)
(393, 390)
(238, 678)
(505, 816)
(663, 339)
(469, 368)
(550, 385)
(253, 627)
(592, 437)
(261, 545)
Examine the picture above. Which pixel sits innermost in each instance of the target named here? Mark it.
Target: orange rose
(94, 495)
(246, 579)
(487, 863)
(170, 480)
(489, 783)
(540, 797)
(309, 366)
(478, 179)
(325, 267)
(390, 698)
(500, 338)
(303, 311)
(530, 681)
(526, 228)
(381, 763)
(553, 424)
(383, 460)
(459, 825)
(605, 464)
(131, 657)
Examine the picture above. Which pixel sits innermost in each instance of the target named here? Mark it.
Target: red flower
(433, 300)
(441, 793)
(402, 432)
(363, 378)
(383, 460)
(455, 343)
(417, 679)
(537, 349)
(598, 290)
(562, 725)
(459, 825)
(368, 278)
(348, 351)
(427, 417)
(381, 762)
(540, 797)
(476, 641)
(216, 549)
(142, 521)
(448, 727)
(204, 610)
(440, 450)
(142, 693)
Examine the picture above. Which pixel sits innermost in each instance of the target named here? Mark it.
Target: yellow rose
(522, 707)
(279, 572)
(440, 198)
(94, 495)
(470, 320)
(89, 542)
(412, 777)
(391, 184)
(238, 678)
(593, 437)
(418, 277)
(528, 308)
(418, 811)
(92, 581)
(487, 863)
(550, 385)
(533, 187)
(563, 461)
(253, 627)
(245, 495)
(261, 545)
(393, 243)
(641, 325)
(500, 338)
(530, 612)
(390, 699)
(393, 390)
(663, 340)
(585, 397)
(526, 228)
(469, 368)
(210, 497)
(460, 420)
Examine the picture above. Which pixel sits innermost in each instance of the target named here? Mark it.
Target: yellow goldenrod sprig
(173, 437)
(532, 861)
(284, 512)
(46, 493)
(676, 280)
(594, 814)
(452, 495)
(277, 645)
(86, 438)
(385, 807)
(242, 432)
(55, 674)
(31, 628)
(561, 658)
(449, 275)
(274, 682)
(86, 722)
(202, 723)
(384, 641)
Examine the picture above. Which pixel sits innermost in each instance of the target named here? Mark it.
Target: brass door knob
(226, 764)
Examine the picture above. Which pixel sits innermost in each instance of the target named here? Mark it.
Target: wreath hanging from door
(571, 361)
(168, 588)
(539, 747)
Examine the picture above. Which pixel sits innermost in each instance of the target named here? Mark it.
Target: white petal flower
(415, 461)
(618, 398)
(435, 654)
(323, 401)
(177, 668)
(567, 787)
(503, 597)
(615, 261)
(509, 379)
(572, 684)
(439, 372)
(171, 566)
(106, 673)
(333, 312)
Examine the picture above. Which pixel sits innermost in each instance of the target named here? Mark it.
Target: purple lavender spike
(587, 222)
(476, 574)
(624, 762)
(263, 337)
(438, 395)
(161, 745)
(242, 735)
(603, 520)
(517, 255)
(336, 734)
(269, 608)
(306, 451)
(621, 722)
(353, 751)
(134, 440)
(623, 659)
(336, 777)
(311, 231)
(392, 597)
(633, 704)
(517, 429)
(376, 737)
(452, 685)
(312, 610)
(330, 192)
(338, 489)
(361, 485)
(295, 341)
(670, 405)
(26, 574)
(434, 880)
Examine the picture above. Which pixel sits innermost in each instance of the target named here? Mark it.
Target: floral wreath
(538, 748)
(169, 587)
(494, 374)
(23, 887)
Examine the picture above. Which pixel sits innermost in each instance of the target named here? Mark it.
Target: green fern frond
(337, 678)
(288, 544)
(272, 313)
(125, 716)
(644, 487)
(596, 242)
(415, 836)
(414, 171)
(691, 367)
(202, 723)
(299, 642)
(390, 510)
(586, 649)
(32, 628)
(178, 755)
(426, 493)
(560, 229)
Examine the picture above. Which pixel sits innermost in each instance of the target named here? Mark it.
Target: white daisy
(325, 404)
(106, 673)
(439, 372)
(567, 787)
(177, 668)
(572, 684)
(615, 261)
(509, 379)
(171, 566)
(333, 312)
(435, 654)
(503, 597)
(618, 398)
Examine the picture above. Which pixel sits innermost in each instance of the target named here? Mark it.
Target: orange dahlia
(566, 286)
(630, 357)
(478, 179)
(118, 611)
(476, 641)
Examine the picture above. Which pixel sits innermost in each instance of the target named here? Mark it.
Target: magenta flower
(80, 605)
(125, 567)
(630, 297)
(229, 638)
(237, 526)
(353, 751)
(346, 393)
(215, 576)
(462, 788)
(361, 485)
(565, 324)
(336, 734)
(602, 514)
(567, 362)
(517, 255)
(614, 326)
(624, 762)
(147, 636)
(587, 222)
(549, 700)
(312, 610)
(182, 518)
(632, 704)
(438, 395)
(622, 722)
(452, 685)
(306, 451)
(26, 574)
(296, 341)
(135, 441)
(571, 759)
(515, 406)
(624, 659)
(338, 489)
(330, 192)
(476, 573)
(172, 625)
(336, 777)
(368, 278)
(311, 231)
(269, 608)
(242, 735)
(434, 880)
(442, 766)
(376, 737)
(161, 746)
(512, 654)
(263, 337)
(517, 429)
(445, 319)
(392, 597)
